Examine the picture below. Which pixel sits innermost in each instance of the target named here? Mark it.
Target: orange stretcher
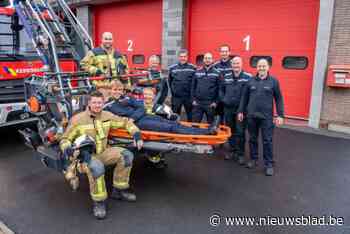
(221, 137)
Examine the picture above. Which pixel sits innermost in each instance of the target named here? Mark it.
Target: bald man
(154, 73)
(105, 60)
(205, 90)
(231, 89)
(257, 102)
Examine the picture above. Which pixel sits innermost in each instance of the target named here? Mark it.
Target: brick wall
(173, 30)
(336, 102)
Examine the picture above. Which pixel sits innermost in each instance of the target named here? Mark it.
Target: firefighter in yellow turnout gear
(96, 124)
(105, 61)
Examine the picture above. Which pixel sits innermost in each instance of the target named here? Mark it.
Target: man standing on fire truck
(105, 61)
(95, 124)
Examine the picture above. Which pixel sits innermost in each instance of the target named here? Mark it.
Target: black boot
(99, 209)
(214, 126)
(161, 164)
(123, 195)
(228, 156)
(241, 160)
(269, 171)
(251, 164)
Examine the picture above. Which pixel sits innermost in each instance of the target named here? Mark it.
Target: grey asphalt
(312, 178)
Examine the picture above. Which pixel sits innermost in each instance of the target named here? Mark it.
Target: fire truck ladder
(50, 29)
(79, 29)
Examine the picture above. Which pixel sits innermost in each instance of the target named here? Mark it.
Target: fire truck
(26, 50)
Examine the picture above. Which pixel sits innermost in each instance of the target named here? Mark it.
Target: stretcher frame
(171, 142)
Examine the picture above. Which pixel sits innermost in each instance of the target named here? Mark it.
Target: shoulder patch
(192, 65)
(172, 66)
(98, 51)
(117, 54)
(106, 115)
(76, 117)
(215, 69)
(247, 74)
(216, 63)
(108, 104)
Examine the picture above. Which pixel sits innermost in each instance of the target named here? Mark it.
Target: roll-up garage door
(136, 26)
(282, 31)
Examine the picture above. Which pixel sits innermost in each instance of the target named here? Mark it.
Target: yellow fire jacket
(95, 126)
(99, 62)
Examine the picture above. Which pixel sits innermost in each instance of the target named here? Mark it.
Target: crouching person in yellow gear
(96, 124)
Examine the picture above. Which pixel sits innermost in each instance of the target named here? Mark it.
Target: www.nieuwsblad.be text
(304, 220)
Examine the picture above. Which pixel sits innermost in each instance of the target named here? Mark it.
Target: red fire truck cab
(18, 61)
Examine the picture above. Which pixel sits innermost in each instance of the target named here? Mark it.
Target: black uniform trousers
(201, 109)
(178, 102)
(220, 111)
(266, 126)
(237, 139)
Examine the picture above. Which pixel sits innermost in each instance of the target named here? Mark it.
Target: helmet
(85, 142)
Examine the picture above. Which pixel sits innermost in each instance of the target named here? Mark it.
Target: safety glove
(138, 142)
(98, 72)
(68, 152)
(174, 117)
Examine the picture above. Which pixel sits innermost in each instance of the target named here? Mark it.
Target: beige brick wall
(336, 101)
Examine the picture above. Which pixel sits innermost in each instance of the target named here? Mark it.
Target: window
(14, 41)
(138, 59)
(199, 59)
(5, 3)
(254, 60)
(295, 62)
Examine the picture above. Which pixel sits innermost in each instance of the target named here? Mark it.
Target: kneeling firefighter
(94, 124)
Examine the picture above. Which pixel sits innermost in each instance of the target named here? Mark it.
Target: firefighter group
(221, 91)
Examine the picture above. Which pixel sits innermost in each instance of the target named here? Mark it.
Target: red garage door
(283, 31)
(136, 26)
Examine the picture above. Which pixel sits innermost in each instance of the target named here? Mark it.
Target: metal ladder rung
(63, 46)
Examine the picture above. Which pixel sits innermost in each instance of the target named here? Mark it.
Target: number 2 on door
(130, 45)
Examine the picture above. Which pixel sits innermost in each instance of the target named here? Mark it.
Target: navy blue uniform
(126, 107)
(129, 107)
(224, 67)
(230, 94)
(180, 82)
(257, 103)
(205, 91)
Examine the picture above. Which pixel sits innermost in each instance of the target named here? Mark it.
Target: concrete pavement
(312, 179)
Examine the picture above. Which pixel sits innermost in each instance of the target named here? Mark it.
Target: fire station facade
(306, 41)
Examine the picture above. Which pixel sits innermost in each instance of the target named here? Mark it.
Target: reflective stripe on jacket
(95, 126)
(99, 60)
